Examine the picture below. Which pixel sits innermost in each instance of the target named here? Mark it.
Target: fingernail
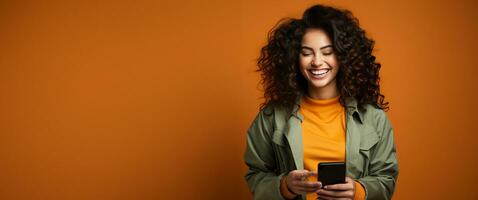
(325, 187)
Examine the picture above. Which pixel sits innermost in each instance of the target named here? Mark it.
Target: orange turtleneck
(323, 137)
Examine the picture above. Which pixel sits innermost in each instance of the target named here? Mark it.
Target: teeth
(319, 72)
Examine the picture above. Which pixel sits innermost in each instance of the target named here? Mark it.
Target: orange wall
(151, 100)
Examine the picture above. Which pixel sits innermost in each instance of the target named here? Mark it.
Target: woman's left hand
(338, 191)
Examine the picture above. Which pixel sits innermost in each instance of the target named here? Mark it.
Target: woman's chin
(319, 84)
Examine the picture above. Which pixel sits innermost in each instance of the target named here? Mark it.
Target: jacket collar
(350, 102)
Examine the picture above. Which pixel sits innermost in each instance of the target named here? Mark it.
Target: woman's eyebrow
(310, 48)
(326, 46)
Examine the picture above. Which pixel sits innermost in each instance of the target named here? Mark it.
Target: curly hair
(358, 75)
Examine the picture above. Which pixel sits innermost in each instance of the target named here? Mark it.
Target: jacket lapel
(294, 137)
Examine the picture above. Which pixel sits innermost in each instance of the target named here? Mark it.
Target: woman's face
(318, 63)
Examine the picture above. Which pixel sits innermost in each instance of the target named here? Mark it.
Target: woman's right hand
(297, 182)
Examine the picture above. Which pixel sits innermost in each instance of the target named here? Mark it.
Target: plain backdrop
(149, 100)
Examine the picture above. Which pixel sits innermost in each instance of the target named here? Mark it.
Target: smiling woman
(322, 105)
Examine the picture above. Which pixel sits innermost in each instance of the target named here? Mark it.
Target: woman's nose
(317, 61)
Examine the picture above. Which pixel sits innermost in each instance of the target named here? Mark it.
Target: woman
(322, 104)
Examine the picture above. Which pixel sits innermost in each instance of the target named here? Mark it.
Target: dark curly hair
(358, 75)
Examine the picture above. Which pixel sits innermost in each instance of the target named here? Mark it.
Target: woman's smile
(319, 73)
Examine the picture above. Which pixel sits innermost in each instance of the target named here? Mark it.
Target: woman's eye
(306, 54)
(328, 53)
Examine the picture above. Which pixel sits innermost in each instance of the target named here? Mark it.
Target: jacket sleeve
(383, 171)
(262, 177)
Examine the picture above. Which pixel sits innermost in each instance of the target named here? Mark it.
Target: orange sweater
(323, 136)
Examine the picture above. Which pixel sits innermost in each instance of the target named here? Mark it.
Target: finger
(345, 186)
(309, 184)
(309, 174)
(300, 191)
(335, 193)
(299, 174)
(305, 175)
(312, 173)
(306, 185)
(303, 191)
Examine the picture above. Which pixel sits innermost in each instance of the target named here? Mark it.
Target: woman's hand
(338, 191)
(297, 183)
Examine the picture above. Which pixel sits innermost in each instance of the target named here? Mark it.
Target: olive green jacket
(274, 148)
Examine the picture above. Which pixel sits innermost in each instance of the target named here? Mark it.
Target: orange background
(151, 99)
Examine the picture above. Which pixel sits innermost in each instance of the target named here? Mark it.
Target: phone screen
(330, 173)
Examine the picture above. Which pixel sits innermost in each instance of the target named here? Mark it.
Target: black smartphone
(330, 173)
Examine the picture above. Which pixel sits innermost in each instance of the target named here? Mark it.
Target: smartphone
(330, 173)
